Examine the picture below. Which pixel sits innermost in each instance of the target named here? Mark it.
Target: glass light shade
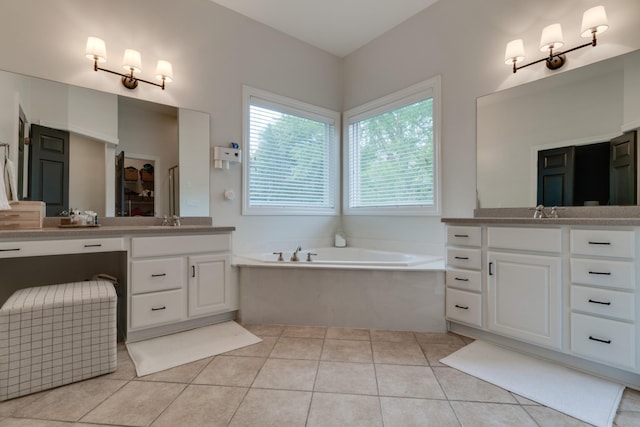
(164, 70)
(96, 49)
(551, 37)
(514, 52)
(132, 61)
(594, 19)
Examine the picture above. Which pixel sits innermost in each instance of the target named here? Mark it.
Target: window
(290, 156)
(391, 154)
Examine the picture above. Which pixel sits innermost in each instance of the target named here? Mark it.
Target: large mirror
(581, 110)
(75, 136)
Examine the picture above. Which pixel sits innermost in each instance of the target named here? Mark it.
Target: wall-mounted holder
(222, 156)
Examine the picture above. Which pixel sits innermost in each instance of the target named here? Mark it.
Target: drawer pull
(460, 235)
(96, 245)
(460, 279)
(599, 340)
(462, 257)
(159, 275)
(462, 307)
(601, 273)
(10, 250)
(599, 243)
(164, 307)
(598, 302)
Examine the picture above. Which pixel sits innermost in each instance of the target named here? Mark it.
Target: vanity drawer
(58, 247)
(464, 235)
(465, 258)
(606, 340)
(612, 274)
(157, 308)
(464, 306)
(525, 239)
(179, 245)
(603, 302)
(157, 275)
(603, 243)
(464, 279)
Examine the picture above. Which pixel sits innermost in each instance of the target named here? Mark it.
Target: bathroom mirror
(588, 105)
(100, 126)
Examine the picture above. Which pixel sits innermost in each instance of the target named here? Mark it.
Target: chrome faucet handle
(309, 255)
(539, 212)
(294, 257)
(554, 212)
(175, 221)
(165, 220)
(280, 257)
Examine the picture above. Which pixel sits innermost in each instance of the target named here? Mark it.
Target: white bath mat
(169, 351)
(579, 395)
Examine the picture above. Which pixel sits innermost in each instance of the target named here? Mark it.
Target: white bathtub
(344, 257)
(344, 287)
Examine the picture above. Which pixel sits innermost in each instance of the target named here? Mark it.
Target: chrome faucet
(541, 213)
(294, 257)
(175, 221)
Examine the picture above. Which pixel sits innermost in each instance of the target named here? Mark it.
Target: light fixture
(594, 21)
(97, 52)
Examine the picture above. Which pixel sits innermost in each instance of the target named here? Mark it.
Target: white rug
(574, 393)
(169, 351)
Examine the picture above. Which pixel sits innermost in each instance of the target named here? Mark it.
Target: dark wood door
(49, 168)
(622, 178)
(22, 120)
(555, 176)
(120, 207)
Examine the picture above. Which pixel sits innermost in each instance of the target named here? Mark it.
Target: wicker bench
(55, 335)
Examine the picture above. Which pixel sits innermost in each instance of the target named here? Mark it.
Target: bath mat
(169, 351)
(574, 393)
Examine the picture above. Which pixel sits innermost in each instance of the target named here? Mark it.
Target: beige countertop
(545, 221)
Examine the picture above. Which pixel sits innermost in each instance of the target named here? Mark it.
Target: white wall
(86, 174)
(215, 51)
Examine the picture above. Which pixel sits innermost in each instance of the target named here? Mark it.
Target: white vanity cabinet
(603, 295)
(463, 276)
(524, 284)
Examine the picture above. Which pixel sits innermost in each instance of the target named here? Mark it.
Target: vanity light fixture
(594, 21)
(97, 52)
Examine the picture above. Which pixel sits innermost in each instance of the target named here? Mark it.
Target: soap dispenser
(339, 240)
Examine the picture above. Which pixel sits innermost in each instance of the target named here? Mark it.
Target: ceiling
(336, 26)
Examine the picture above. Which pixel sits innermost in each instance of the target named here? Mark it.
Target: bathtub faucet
(294, 257)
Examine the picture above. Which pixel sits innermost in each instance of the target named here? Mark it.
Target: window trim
(420, 91)
(301, 109)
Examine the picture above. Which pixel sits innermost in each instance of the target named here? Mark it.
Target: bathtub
(343, 287)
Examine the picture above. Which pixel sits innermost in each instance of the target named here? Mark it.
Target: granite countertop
(544, 221)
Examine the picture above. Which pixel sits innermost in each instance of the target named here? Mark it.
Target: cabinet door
(524, 297)
(209, 284)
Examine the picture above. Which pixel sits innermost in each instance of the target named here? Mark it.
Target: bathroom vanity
(171, 278)
(563, 289)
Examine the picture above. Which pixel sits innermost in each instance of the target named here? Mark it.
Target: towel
(4, 202)
(11, 177)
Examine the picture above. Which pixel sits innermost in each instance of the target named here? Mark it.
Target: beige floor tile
(297, 348)
(460, 386)
(392, 336)
(523, 400)
(340, 377)
(347, 351)
(408, 381)
(136, 404)
(330, 410)
(398, 412)
(287, 374)
(71, 402)
(477, 414)
(236, 371)
(28, 422)
(348, 334)
(399, 353)
(305, 332)
(435, 352)
(10, 407)
(547, 417)
(630, 400)
(272, 408)
(627, 419)
(180, 374)
(202, 405)
(261, 349)
(440, 338)
(125, 369)
(265, 330)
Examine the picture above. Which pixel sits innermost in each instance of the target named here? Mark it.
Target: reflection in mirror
(99, 126)
(555, 122)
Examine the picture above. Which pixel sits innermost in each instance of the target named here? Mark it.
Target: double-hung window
(290, 156)
(391, 153)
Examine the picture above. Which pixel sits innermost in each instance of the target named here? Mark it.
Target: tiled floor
(300, 376)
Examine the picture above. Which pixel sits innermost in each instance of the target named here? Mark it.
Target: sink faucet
(294, 257)
(175, 221)
(541, 213)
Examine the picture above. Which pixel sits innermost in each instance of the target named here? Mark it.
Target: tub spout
(295, 257)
